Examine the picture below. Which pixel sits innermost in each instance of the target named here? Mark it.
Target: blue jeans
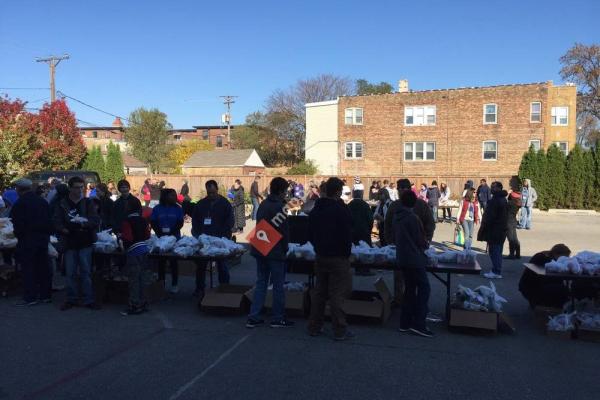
(495, 252)
(416, 296)
(79, 262)
(468, 232)
(525, 217)
(275, 269)
(255, 205)
(434, 211)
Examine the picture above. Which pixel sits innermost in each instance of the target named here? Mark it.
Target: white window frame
(353, 112)
(425, 108)
(414, 152)
(495, 113)
(539, 141)
(558, 143)
(554, 115)
(531, 112)
(483, 150)
(354, 157)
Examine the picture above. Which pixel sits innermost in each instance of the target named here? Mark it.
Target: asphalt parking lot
(176, 352)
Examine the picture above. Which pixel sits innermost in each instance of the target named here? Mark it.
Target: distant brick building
(479, 131)
(102, 135)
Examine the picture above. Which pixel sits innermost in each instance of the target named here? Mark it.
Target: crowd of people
(338, 217)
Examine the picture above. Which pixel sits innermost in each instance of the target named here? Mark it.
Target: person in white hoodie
(358, 186)
(444, 199)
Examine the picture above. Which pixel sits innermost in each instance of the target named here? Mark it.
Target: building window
(535, 112)
(95, 134)
(219, 141)
(354, 150)
(353, 116)
(560, 116)
(563, 146)
(419, 115)
(419, 151)
(177, 137)
(490, 113)
(490, 150)
(205, 134)
(536, 143)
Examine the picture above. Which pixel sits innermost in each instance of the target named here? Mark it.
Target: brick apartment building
(481, 131)
(102, 135)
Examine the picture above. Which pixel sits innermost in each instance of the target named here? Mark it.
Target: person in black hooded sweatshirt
(494, 228)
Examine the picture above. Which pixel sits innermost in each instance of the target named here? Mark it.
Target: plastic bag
(184, 251)
(52, 251)
(561, 322)
(459, 236)
(165, 243)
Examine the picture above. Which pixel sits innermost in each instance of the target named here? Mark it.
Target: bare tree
(581, 65)
(286, 107)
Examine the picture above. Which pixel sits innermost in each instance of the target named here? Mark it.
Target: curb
(558, 211)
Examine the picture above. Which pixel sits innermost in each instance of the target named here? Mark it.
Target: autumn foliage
(47, 140)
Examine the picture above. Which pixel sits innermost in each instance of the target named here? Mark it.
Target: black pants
(513, 241)
(162, 266)
(448, 211)
(35, 267)
(416, 296)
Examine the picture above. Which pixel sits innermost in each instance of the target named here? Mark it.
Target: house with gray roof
(231, 162)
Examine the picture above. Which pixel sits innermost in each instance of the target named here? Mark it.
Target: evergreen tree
(596, 178)
(555, 181)
(575, 177)
(590, 184)
(114, 164)
(540, 179)
(94, 161)
(527, 169)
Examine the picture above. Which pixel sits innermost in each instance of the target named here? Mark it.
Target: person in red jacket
(134, 233)
(468, 216)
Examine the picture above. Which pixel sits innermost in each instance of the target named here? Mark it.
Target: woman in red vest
(468, 215)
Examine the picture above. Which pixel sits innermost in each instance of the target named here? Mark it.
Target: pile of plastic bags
(187, 246)
(305, 251)
(107, 242)
(562, 322)
(483, 298)
(588, 320)
(366, 254)
(448, 256)
(163, 244)
(211, 246)
(585, 262)
(7, 236)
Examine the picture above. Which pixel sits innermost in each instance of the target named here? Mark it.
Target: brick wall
(458, 132)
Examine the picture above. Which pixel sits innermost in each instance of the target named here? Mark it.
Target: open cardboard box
(295, 301)
(367, 305)
(491, 321)
(226, 298)
(588, 335)
(542, 315)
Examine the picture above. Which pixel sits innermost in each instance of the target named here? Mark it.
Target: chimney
(403, 86)
(117, 123)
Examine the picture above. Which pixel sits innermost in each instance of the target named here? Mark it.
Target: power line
(24, 88)
(62, 94)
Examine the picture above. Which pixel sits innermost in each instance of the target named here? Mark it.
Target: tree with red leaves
(47, 140)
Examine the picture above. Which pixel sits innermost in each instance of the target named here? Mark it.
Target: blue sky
(180, 56)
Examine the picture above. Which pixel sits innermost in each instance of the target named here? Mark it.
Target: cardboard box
(588, 335)
(295, 301)
(226, 299)
(367, 306)
(564, 335)
(474, 319)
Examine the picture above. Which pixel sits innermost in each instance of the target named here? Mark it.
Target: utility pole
(228, 101)
(52, 61)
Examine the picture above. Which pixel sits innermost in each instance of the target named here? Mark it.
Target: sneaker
(66, 306)
(93, 306)
(132, 311)
(422, 332)
(174, 289)
(431, 317)
(284, 323)
(25, 303)
(403, 330)
(46, 301)
(346, 336)
(491, 275)
(250, 324)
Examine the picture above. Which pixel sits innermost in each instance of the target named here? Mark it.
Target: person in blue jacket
(167, 220)
(213, 216)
